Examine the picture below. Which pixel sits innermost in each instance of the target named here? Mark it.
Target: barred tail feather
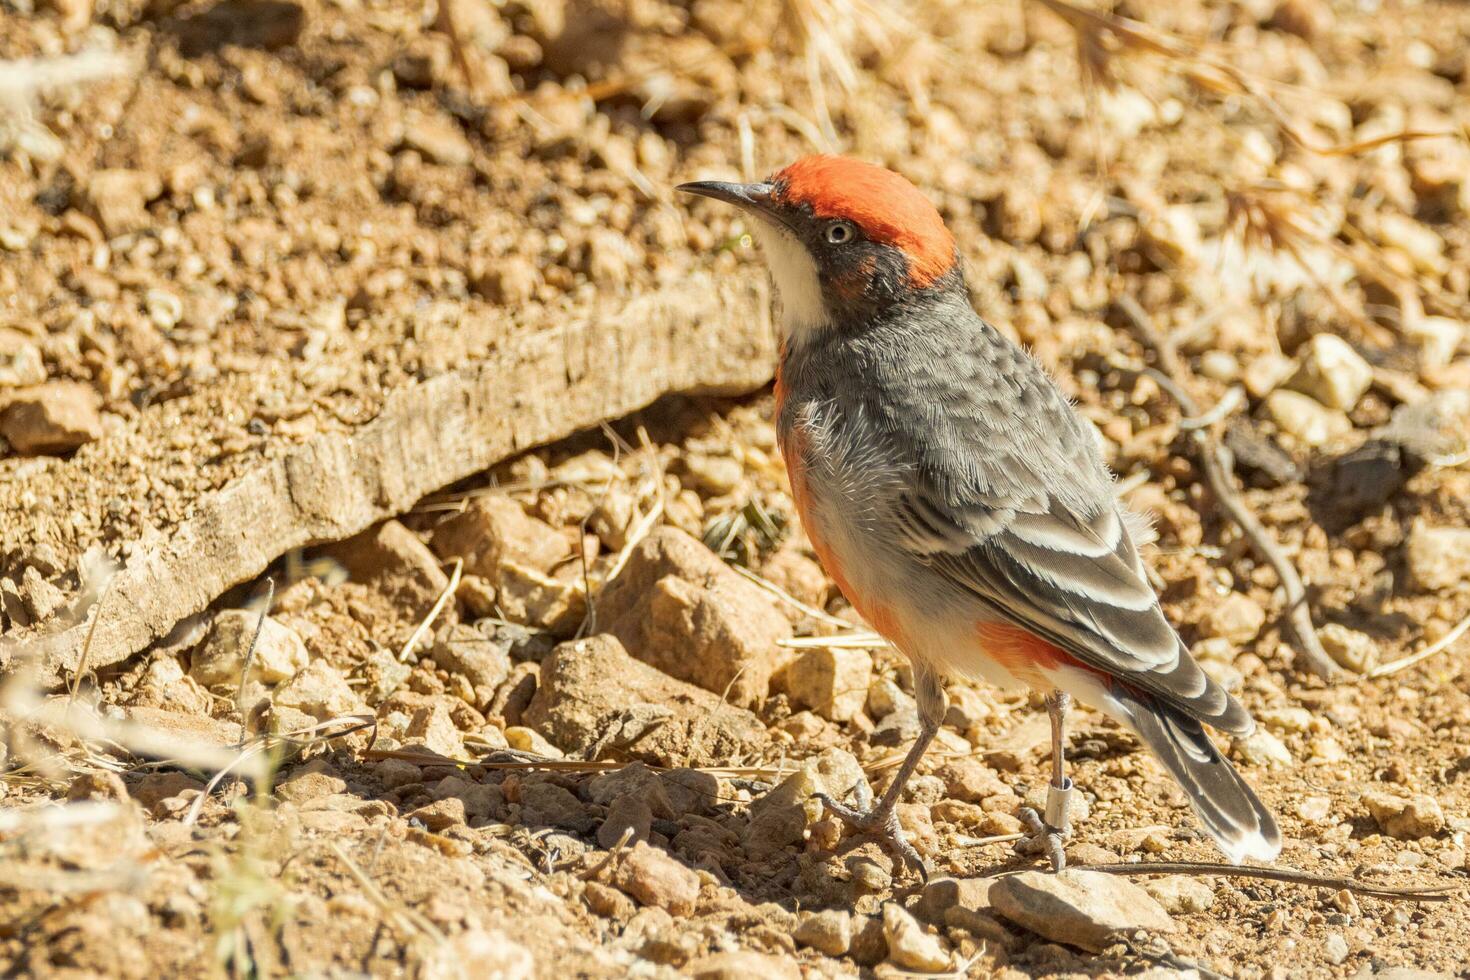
(1229, 809)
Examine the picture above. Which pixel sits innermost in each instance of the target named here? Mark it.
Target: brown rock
(393, 773)
(971, 781)
(478, 953)
(549, 805)
(1407, 818)
(320, 691)
(495, 530)
(799, 577)
(547, 602)
(312, 781)
(1089, 909)
(829, 932)
(832, 682)
(50, 419)
(627, 815)
(189, 728)
(279, 652)
(433, 727)
(909, 946)
(869, 944)
(441, 814)
(1307, 19)
(654, 878)
(1236, 617)
(743, 964)
(118, 199)
(608, 902)
(438, 140)
(1350, 649)
(97, 785)
(678, 607)
(509, 281)
(476, 595)
(466, 651)
(393, 560)
(165, 685)
(515, 693)
(943, 894)
(1180, 894)
(779, 819)
(1437, 557)
(590, 692)
(156, 787)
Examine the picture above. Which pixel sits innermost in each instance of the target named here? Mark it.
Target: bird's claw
(1047, 834)
(1043, 839)
(881, 823)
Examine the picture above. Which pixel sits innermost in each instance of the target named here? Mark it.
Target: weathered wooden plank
(701, 336)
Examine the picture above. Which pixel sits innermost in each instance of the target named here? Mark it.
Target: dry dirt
(275, 215)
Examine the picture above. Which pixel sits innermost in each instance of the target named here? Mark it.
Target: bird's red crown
(883, 204)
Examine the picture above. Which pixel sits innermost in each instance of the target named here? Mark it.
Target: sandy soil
(276, 213)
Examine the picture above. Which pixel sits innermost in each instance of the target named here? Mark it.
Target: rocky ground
(567, 718)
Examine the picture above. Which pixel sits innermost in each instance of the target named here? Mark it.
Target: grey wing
(1003, 492)
(1075, 580)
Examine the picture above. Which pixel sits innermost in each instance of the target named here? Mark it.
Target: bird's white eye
(840, 232)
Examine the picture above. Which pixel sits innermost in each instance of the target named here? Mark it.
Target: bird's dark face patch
(860, 277)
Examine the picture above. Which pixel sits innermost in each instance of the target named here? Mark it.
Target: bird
(961, 505)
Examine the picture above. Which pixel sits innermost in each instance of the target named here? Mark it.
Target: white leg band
(1057, 798)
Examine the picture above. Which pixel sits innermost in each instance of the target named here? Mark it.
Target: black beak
(758, 197)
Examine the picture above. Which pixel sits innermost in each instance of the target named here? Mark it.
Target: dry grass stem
(265, 742)
(408, 919)
(1102, 37)
(433, 614)
(81, 671)
(1404, 663)
(24, 82)
(1392, 893)
(1219, 475)
(612, 855)
(855, 640)
(265, 610)
(820, 615)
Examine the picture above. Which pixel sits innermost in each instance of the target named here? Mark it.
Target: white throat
(799, 309)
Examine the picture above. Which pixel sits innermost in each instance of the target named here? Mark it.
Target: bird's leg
(882, 820)
(1047, 835)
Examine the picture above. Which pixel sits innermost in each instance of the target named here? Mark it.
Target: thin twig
(1291, 876)
(1219, 474)
(438, 607)
(1223, 409)
(1403, 663)
(1178, 964)
(644, 525)
(855, 640)
(265, 611)
(819, 615)
(246, 754)
(610, 857)
(415, 920)
(1212, 74)
(426, 758)
(984, 841)
(76, 681)
(267, 740)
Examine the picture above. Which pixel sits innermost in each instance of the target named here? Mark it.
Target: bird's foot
(1047, 834)
(881, 823)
